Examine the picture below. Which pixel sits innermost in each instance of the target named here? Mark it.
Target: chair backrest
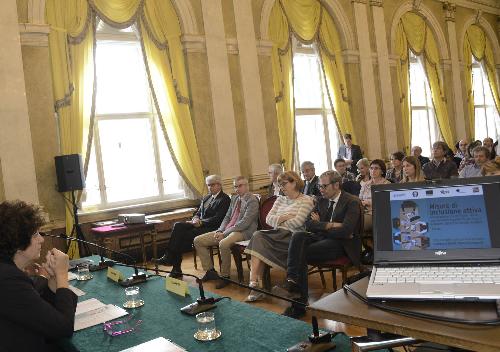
(265, 206)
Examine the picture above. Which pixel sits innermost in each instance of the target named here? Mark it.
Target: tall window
(487, 120)
(424, 127)
(130, 161)
(317, 135)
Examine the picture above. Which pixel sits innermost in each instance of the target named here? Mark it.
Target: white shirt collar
(215, 195)
(336, 199)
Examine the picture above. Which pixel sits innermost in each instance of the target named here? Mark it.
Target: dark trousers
(181, 240)
(306, 247)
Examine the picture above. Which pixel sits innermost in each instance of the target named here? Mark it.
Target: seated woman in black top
(31, 319)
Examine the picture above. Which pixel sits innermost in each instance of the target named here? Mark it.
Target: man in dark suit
(333, 232)
(208, 218)
(311, 180)
(417, 152)
(351, 153)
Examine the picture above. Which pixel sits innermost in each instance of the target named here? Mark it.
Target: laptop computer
(436, 240)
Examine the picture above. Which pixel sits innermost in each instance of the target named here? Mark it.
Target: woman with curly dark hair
(31, 319)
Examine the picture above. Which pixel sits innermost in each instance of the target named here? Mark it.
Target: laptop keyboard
(439, 274)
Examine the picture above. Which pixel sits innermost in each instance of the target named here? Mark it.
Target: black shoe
(289, 290)
(294, 312)
(176, 274)
(165, 260)
(210, 275)
(222, 283)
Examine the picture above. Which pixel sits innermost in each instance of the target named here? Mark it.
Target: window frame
(429, 108)
(112, 35)
(484, 80)
(322, 111)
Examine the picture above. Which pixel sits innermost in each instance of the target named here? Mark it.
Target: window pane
(420, 131)
(171, 178)
(480, 123)
(311, 141)
(307, 83)
(92, 183)
(417, 87)
(493, 121)
(122, 86)
(128, 159)
(477, 86)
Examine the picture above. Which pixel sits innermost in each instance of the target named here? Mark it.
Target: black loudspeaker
(69, 170)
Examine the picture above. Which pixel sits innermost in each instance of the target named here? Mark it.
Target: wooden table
(116, 235)
(341, 306)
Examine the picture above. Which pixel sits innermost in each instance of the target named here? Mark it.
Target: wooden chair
(214, 251)
(238, 248)
(343, 263)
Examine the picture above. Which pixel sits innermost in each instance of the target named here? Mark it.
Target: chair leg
(211, 249)
(194, 258)
(266, 278)
(238, 262)
(220, 261)
(322, 276)
(344, 276)
(334, 279)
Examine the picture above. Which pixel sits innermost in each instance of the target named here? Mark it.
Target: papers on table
(76, 291)
(92, 312)
(159, 344)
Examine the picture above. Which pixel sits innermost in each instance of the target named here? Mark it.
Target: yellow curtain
(304, 17)
(309, 22)
(169, 86)
(403, 72)
(333, 69)
(71, 43)
(420, 40)
(281, 58)
(476, 43)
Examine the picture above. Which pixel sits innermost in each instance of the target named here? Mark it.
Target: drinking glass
(206, 327)
(83, 272)
(132, 297)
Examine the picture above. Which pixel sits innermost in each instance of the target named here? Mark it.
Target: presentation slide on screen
(440, 218)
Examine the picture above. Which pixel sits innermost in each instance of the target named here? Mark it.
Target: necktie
(306, 187)
(330, 210)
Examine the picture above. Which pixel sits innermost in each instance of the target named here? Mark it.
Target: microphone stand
(137, 278)
(318, 342)
(202, 304)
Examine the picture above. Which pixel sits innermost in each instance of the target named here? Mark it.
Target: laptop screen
(456, 219)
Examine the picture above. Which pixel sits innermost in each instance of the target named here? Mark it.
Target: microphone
(137, 278)
(202, 304)
(318, 342)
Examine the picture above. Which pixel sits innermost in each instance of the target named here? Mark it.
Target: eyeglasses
(321, 186)
(127, 326)
(238, 186)
(283, 184)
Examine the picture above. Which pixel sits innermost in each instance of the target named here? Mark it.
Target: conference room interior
(156, 96)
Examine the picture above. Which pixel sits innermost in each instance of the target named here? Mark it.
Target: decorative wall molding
(258, 182)
(489, 6)
(34, 34)
(431, 21)
(416, 4)
(193, 43)
(360, 1)
(187, 17)
(449, 11)
(376, 3)
(232, 46)
(445, 64)
(264, 47)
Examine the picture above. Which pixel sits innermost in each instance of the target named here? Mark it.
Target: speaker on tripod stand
(70, 178)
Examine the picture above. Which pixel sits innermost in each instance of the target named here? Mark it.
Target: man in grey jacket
(239, 224)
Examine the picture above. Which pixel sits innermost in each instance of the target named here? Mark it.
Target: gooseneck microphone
(137, 278)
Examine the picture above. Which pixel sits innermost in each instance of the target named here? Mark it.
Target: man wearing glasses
(332, 231)
(208, 218)
(239, 224)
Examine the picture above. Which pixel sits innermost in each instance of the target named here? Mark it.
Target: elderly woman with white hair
(208, 218)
